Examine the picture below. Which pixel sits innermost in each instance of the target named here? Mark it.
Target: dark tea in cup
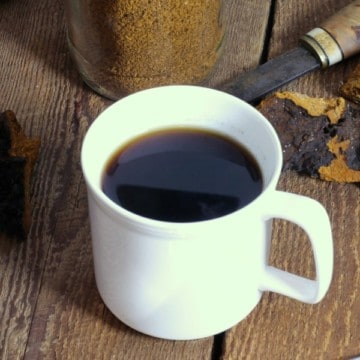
(182, 175)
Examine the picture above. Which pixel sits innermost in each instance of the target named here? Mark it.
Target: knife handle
(337, 38)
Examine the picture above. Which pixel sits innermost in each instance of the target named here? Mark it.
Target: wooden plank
(282, 328)
(25, 89)
(245, 23)
(39, 83)
(49, 304)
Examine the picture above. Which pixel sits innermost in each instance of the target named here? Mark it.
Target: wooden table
(49, 304)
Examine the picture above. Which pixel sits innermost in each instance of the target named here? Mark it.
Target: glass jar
(122, 46)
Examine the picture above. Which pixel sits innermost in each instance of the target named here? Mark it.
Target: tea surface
(182, 175)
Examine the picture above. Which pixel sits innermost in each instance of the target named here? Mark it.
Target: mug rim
(117, 210)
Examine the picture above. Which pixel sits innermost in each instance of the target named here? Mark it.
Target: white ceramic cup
(192, 280)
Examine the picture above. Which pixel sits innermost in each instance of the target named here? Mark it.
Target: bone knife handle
(337, 38)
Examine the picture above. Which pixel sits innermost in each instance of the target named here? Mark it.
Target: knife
(333, 41)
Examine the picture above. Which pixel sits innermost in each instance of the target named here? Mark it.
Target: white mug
(193, 280)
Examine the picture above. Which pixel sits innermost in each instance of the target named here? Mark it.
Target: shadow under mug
(192, 280)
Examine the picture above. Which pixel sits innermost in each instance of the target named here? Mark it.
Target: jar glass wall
(122, 46)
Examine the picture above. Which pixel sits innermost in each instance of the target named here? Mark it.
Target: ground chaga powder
(122, 46)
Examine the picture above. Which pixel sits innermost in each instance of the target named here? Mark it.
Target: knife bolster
(323, 46)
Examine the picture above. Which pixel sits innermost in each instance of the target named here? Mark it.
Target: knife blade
(333, 41)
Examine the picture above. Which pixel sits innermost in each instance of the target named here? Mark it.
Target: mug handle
(313, 218)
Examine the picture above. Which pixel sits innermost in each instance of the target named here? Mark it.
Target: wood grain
(49, 305)
(282, 328)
